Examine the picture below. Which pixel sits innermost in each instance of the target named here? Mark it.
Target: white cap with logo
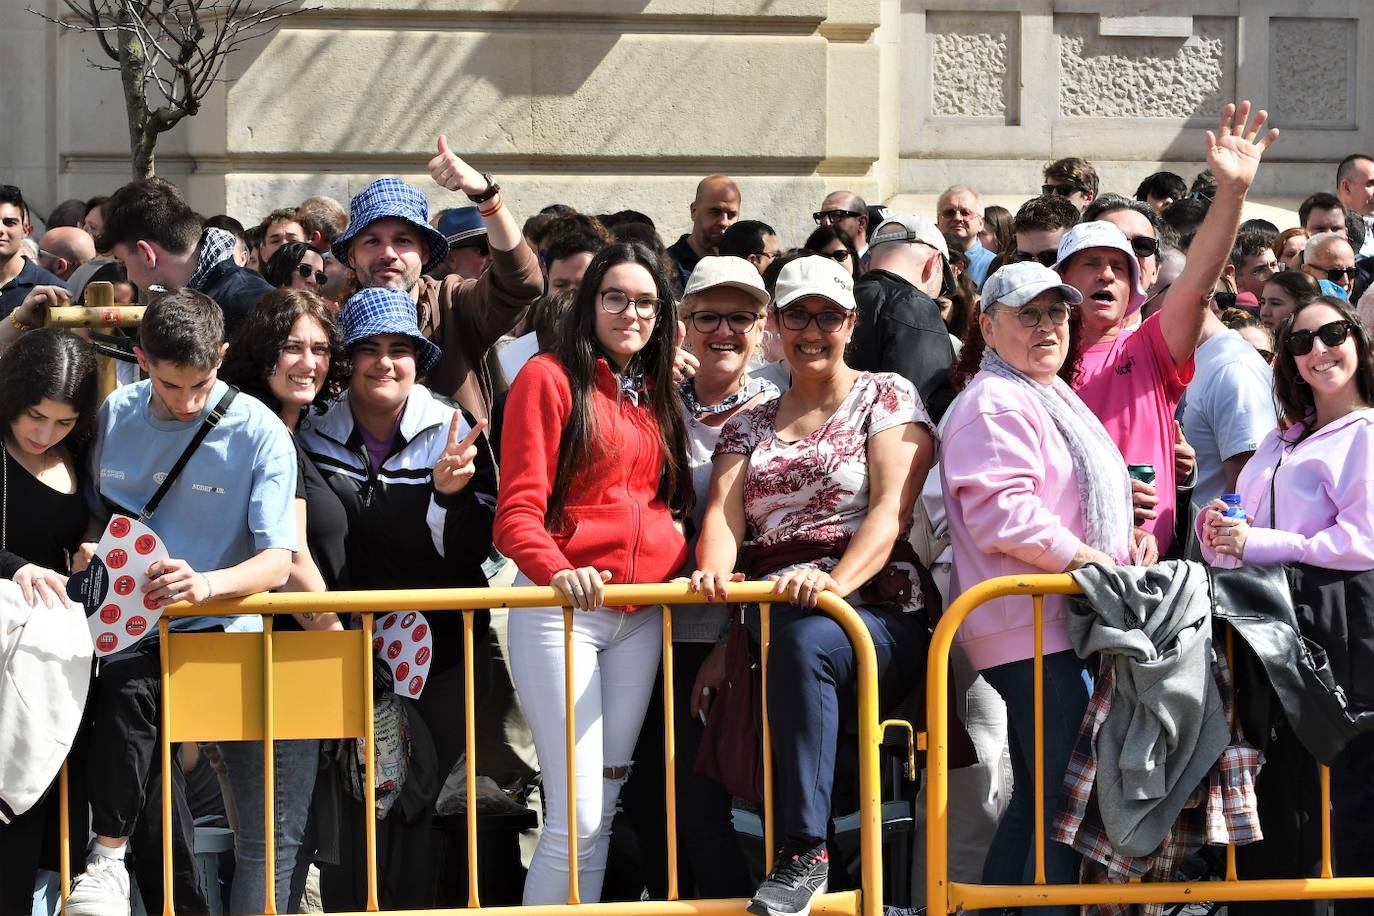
(1102, 234)
(726, 270)
(814, 276)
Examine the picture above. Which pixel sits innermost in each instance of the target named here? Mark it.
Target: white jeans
(615, 660)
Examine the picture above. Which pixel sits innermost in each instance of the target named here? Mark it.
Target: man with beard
(389, 243)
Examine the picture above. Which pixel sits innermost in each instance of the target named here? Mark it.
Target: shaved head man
(714, 209)
(64, 249)
(845, 210)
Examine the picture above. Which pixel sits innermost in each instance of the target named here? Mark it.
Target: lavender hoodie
(1013, 507)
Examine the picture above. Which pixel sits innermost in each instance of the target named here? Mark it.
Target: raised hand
(685, 362)
(453, 174)
(456, 465)
(1235, 150)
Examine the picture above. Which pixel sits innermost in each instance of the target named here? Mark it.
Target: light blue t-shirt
(235, 497)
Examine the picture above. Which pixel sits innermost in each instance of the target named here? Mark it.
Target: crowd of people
(893, 412)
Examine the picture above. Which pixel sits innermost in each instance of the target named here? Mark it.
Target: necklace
(747, 392)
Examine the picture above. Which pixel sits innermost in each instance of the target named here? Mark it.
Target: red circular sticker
(419, 632)
(407, 620)
(422, 656)
(150, 602)
(417, 684)
(109, 614)
(135, 626)
(124, 585)
(377, 644)
(390, 619)
(393, 650)
(145, 544)
(120, 527)
(105, 642)
(116, 558)
(402, 671)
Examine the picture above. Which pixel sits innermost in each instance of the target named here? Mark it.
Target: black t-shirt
(41, 525)
(326, 522)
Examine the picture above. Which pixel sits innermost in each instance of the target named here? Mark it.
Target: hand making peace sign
(456, 465)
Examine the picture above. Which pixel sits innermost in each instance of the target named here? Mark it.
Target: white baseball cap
(726, 270)
(1102, 234)
(906, 227)
(814, 276)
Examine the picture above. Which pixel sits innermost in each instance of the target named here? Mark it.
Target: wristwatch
(492, 190)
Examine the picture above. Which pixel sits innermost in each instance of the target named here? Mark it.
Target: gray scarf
(1104, 488)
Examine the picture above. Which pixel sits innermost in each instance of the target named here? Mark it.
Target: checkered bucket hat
(391, 197)
(375, 311)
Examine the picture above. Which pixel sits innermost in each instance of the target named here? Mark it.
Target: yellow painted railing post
(669, 751)
(470, 740)
(570, 702)
(269, 775)
(64, 855)
(165, 747)
(1039, 609)
(765, 637)
(369, 767)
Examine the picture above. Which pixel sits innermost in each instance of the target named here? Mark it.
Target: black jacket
(1305, 649)
(900, 330)
(236, 289)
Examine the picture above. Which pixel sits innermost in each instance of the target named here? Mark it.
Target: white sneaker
(101, 890)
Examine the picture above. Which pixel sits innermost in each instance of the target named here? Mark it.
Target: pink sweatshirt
(1324, 490)
(1013, 507)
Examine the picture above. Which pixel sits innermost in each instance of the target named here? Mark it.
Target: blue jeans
(1011, 858)
(296, 765)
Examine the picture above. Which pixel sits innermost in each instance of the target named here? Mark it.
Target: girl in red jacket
(594, 469)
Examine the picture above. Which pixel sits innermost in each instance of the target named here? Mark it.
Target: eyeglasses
(1266, 355)
(739, 322)
(1144, 246)
(1063, 190)
(827, 321)
(1030, 316)
(825, 217)
(841, 254)
(613, 302)
(305, 270)
(1332, 334)
(1049, 257)
(1335, 273)
(483, 248)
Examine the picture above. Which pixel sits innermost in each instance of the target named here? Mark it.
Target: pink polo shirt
(1133, 386)
(1322, 513)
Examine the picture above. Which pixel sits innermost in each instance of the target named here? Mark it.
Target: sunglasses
(1063, 190)
(1144, 246)
(1336, 273)
(1267, 356)
(305, 270)
(1049, 257)
(833, 216)
(483, 248)
(840, 255)
(1332, 334)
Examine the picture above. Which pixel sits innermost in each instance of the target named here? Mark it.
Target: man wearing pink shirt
(1131, 375)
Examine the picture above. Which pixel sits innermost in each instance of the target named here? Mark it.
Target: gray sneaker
(101, 890)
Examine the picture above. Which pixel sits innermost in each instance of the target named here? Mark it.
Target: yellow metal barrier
(944, 896)
(327, 677)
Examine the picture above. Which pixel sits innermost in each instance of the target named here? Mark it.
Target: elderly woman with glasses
(1032, 484)
(816, 489)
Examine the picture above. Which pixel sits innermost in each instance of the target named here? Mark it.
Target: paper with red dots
(111, 588)
(404, 644)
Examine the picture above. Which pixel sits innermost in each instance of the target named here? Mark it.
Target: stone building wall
(612, 103)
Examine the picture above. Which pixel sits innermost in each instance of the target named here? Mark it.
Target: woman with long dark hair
(595, 471)
(47, 416)
(836, 244)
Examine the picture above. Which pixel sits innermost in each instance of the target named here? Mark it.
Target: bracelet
(485, 214)
(19, 325)
(209, 589)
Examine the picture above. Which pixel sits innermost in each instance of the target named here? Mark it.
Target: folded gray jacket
(1166, 727)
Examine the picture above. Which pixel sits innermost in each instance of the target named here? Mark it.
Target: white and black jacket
(401, 533)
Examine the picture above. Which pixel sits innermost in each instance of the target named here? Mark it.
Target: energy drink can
(1145, 473)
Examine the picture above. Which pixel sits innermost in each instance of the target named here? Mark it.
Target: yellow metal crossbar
(272, 686)
(944, 896)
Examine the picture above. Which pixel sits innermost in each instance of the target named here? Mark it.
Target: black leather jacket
(900, 330)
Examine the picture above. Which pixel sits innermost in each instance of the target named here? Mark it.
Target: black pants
(124, 776)
(710, 862)
(1352, 817)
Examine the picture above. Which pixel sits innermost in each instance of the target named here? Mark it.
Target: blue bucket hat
(391, 197)
(376, 311)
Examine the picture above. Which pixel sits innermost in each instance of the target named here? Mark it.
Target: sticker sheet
(404, 644)
(111, 588)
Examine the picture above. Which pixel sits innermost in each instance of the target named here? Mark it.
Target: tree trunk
(142, 138)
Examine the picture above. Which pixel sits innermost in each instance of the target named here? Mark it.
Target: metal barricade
(944, 896)
(296, 685)
(100, 311)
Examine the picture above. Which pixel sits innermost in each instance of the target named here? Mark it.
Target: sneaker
(797, 878)
(101, 890)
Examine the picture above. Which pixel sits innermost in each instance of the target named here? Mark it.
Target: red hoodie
(615, 519)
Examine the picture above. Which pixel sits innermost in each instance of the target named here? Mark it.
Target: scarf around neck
(215, 246)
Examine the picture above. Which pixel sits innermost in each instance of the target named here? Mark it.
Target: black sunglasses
(1049, 257)
(841, 254)
(833, 215)
(1063, 190)
(305, 270)
(1336, 273)
(1144, 246)
(1332, 334)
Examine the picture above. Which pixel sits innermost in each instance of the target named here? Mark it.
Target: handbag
(731, 750)
(391, 751)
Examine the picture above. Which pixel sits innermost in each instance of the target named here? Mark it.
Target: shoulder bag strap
(211, 421)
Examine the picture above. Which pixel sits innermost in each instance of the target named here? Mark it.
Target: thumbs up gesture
(453, 174)
(456, 465)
